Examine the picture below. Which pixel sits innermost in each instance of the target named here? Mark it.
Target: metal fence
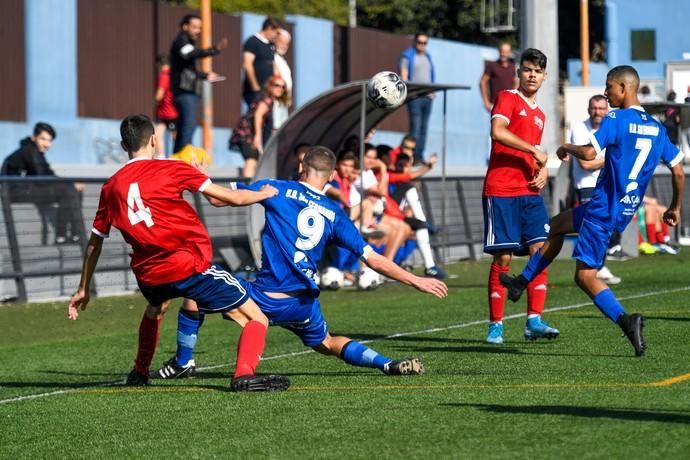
(33, 267)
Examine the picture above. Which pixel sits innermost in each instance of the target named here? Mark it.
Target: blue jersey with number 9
(635, 143)
(300, 220)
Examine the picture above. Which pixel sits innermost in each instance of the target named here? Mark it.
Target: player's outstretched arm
(386, 267)
(81, 297)
(672, 214)
(220, 196)
(583, 152)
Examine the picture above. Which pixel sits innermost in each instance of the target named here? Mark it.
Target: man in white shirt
(280, 110)
(586, 173)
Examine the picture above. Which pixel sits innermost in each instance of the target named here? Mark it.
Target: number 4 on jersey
(136, 210)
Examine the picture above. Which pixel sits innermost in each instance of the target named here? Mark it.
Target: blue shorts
(592, 238)
(214, 291)
(300, 315)
(514, 223)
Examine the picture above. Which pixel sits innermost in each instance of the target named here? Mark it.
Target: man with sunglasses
(416, 66)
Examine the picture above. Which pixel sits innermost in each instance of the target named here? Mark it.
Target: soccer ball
(332, 278)
(369, 279)
(386, 90)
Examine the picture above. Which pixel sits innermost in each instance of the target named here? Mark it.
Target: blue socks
(535, 265)
(606, 302)
(356, 354)
(188, 324)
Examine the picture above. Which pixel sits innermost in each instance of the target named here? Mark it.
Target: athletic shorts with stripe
(214, 291)
(514, 223)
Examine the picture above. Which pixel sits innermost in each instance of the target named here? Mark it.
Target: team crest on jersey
(538, 121)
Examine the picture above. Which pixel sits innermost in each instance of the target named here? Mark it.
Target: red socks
(250, 347)
(651, 234)
(497, 293)
(148, 339)
(536, 294)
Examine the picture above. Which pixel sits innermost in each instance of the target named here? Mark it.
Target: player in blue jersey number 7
(300, 220)
(634, 143)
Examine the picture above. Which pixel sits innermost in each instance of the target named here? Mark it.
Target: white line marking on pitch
(392, 336)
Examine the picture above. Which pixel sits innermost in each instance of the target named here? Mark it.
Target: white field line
(392, 336)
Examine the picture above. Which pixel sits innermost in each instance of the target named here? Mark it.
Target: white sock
(425, 247)
(412, 198)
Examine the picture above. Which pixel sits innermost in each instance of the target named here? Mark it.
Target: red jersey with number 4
(510, 170)
(144, 201)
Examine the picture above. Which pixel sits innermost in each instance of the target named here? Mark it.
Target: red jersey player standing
(515, 218)
(171, 250)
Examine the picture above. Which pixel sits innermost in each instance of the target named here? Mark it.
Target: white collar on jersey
(312, 188)
(637, 107)
(532, 105)
(138, 159)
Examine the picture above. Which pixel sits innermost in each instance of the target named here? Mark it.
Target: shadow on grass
(63, 385)
(639, 415)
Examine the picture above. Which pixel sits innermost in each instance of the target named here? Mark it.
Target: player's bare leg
(606, 302)
(356, 354)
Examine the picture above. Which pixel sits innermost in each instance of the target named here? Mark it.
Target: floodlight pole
(443, 177)
(362, 133)
(206, 92)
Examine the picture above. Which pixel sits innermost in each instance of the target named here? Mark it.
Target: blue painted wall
(669, 18)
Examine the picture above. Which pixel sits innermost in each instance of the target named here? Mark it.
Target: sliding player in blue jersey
(300, 220)
(634, 143)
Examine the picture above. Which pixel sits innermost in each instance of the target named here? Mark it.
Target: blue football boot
(535, 329)
(495, 334)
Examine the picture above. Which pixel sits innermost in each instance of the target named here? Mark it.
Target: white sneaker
(607, 277)
(667, 249)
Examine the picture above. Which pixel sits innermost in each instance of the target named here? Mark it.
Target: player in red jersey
(515, 218)
(171, 250)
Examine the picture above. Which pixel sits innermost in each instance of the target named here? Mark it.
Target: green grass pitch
(581, 396)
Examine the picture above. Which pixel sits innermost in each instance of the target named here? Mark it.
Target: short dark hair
(188, 18)
(300, 148)
(319, 158)
(402, 158)
(534, 56)
(43, 127)
(624, 72)
(383, 150)
(135, 131)
(419, 34)
(368, 146)
(271, 22)
(162, 59)
(597, 97)
(347, 155)
(408, 137)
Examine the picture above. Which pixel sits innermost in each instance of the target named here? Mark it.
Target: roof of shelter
(328, 120)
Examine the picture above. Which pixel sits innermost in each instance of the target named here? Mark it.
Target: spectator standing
(248, 134)
(186, 78)
(30, 160)
(498, 76)
(166, 113)
(586, 172)
(258, 60)
(280, 109)
(417, 66)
